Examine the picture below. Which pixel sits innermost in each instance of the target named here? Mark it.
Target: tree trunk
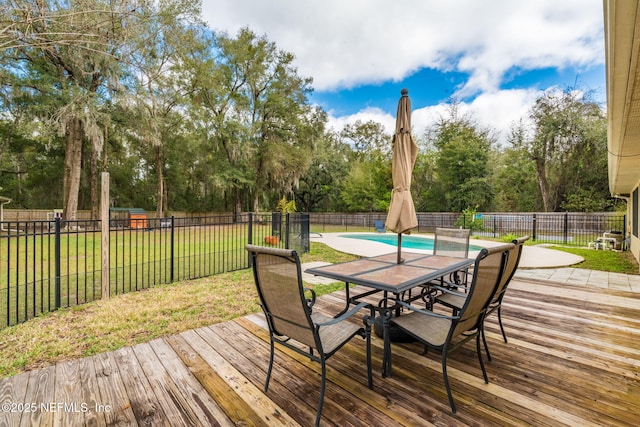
(237, 207)
(105, 149)
(165, 198)
(543, 184)
(72, 168)
(95, 196)
(256, 204)
(160, 177)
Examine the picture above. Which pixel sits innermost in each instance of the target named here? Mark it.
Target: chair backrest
(487, 273)
(452, 242)
(510, 268)
(278, 278)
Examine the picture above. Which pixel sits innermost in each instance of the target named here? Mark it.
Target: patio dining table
(383, 274)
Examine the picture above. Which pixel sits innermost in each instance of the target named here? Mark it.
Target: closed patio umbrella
(402, 213)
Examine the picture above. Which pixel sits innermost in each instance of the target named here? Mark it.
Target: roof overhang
(622, 42)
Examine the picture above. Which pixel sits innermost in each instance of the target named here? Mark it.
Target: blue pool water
(408, 242)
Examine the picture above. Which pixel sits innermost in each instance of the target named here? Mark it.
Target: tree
(515, 176)
(368, 185)
(71, 60)
(568, 145)
(462, 165)
(29, 165)
(254, 116)
(425, 187)
(368, 139)
(64, 54)
(156, 93)
(359, 192)
(321, 185)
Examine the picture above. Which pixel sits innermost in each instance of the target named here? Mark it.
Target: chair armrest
(456, 279)
(312, 300)
(426, 312)
(346, 315)
(446, 290)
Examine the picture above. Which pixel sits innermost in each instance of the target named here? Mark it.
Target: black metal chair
(455, 300)
(453, 242)
(447, 333)
(292, 323)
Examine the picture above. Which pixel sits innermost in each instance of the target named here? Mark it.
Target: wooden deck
(573, 358)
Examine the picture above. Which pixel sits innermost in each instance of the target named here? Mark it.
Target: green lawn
(136, 317)
(138, 260)
(616, 262)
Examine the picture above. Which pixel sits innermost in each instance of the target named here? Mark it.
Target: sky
(494, 57)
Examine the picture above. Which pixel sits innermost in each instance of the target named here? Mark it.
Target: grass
(611, 261)
(164, 310)
(138, 259)
(137, 317)
(615, 262)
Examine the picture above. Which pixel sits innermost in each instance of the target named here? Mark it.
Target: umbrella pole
(399, 248)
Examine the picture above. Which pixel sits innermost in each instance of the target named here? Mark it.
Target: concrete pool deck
(537, 262)
(532, 256)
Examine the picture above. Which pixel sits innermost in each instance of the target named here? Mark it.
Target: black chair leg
(271, 355)
(484, 371)
(484, 341)
(322, 387)
(446, 381)
(500, 322)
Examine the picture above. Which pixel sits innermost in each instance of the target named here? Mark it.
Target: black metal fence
(577, 229)
(46, 265)
(427, 221)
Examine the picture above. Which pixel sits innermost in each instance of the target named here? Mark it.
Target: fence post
(250, 237)
(287, 232)
(534, 230)
(494, 226)
(305, 227)
(56, 246)
(172, 250)
(566, 227)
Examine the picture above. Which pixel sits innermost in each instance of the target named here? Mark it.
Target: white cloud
(365, 115)
(497, 111)
(342, 44)
(346, 43)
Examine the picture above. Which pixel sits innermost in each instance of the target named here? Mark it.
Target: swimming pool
(408, 242)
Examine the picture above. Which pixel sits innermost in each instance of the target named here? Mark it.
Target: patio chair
(453, 242)
(290, 317)
(379, 224)
(447, 333)
(455, 300)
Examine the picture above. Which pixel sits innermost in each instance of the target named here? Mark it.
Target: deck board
(572, 358)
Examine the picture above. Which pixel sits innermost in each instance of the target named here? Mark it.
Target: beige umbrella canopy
(402, 213)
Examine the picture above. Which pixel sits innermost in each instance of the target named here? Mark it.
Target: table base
(395, 334)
